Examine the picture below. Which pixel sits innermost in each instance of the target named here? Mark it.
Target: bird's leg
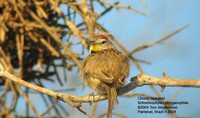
(92, 94)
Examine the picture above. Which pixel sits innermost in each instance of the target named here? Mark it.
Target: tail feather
(112, 100)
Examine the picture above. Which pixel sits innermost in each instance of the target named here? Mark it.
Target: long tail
(112, 100)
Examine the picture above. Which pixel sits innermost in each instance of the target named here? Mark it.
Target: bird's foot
(91, 94)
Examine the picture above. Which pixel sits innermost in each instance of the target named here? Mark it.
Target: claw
(91, 94)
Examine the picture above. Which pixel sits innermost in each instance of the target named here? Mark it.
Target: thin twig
(123, 7)
(49, 109)
(157, 42)
(146, 5)
(94, 109)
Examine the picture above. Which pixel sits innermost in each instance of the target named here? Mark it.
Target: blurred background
(178, 56)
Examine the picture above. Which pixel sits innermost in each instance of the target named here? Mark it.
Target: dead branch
(142, 47)
(123, 7)
(137, 81)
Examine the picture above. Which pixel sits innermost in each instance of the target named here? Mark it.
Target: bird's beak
(93, 47)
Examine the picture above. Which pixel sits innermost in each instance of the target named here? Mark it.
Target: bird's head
(99, 43)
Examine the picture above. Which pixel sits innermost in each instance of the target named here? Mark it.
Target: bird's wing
(102, 77)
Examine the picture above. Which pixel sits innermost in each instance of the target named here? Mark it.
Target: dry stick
(28, 101)
(50, 47)
(136, 94)
(150, 80)
(85, 113)
(15, 97)
(146, 5)
(176, 94)
(76, 32)
(166, 77)
(94, 109)
(123, 7)
(20, 52)
(4, 63)
(17, 87)
(157, 42)
(49, 109)
(89, 18)
(57, 90)
(63, 97)
(74, 28)
(18, 11)
(153, 88)
(6, 110)
(172, 98)
(75, 101)
(99, 16)
(10, 84)
(69, 53)
(82, 12)
(92, 5)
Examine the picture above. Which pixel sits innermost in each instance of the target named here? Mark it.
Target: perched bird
(105, 68)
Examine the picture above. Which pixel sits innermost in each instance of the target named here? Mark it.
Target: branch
(75, 101)
(146, 5)
(60, 96)
(142, 47)
(123, 7)
(144, 79)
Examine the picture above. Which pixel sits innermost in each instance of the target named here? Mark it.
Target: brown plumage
(105, 68)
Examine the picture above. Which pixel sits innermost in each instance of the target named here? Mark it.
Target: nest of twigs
(29, 38)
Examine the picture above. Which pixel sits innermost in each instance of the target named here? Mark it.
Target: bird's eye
(103, 42)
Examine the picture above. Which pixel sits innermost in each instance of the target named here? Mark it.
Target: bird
(105, 69)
